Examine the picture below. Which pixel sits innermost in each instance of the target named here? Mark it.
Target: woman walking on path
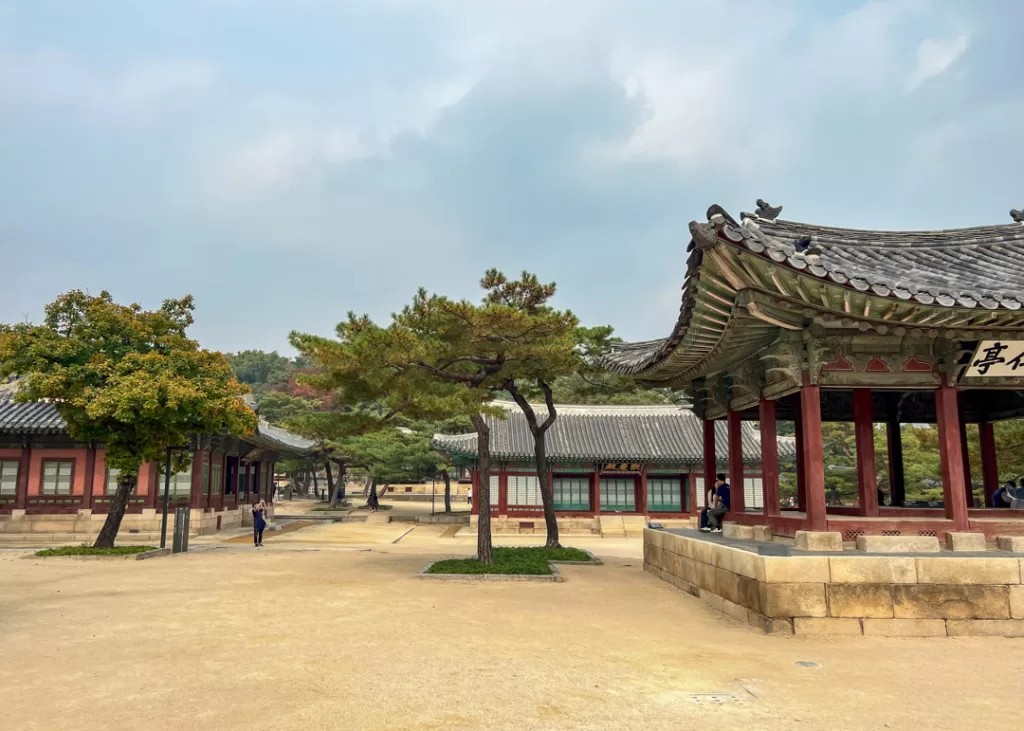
(259, 508)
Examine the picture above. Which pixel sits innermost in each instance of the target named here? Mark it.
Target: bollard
(179, 523)
(187, 514)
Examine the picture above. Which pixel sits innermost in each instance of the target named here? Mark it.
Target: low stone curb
(153, 554)
(554, 577)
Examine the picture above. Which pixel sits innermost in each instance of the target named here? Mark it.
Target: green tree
(260, 370)
(127, 377)
(437, 359)
(549, 348)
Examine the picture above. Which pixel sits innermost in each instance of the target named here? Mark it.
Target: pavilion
(791, 321)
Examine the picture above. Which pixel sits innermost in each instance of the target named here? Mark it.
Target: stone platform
(808, 592)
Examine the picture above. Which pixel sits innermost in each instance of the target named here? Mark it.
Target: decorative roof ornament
(765, 211)
(705, 235)
(1016, 215)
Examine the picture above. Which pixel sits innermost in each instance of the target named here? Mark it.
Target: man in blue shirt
(720, 508)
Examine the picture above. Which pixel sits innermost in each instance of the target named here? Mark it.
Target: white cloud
(56, 79)
(934, 58)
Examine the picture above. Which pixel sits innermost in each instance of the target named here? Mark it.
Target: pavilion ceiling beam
(773, 274)
(846, 301)
(867, 306)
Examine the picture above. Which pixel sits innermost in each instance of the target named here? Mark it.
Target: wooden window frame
(71, 478)
(17, 474)
(661, 507)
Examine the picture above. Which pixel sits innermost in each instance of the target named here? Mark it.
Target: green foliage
(588, 383)
(261, 371)
(532, 561)
(90, 551)
(394, 455)
(124, 376)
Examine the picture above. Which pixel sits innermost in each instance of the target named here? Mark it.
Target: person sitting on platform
(721, 506)
(709, 502)
(1003, 497)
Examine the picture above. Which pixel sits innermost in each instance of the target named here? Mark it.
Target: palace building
(53, 485)
(639, 461)
(791, 321)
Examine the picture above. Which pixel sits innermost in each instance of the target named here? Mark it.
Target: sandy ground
(329, 635)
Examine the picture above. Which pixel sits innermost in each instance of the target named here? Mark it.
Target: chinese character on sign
(995, 358)
(991, 357)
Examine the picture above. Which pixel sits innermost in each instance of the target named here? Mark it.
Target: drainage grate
(927, 533)
(851, 535)
(891, 533)
(719, 699)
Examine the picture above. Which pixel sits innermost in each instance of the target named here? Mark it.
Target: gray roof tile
(42, 418)
(595, 433)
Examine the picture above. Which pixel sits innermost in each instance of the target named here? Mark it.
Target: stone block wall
(895, 596)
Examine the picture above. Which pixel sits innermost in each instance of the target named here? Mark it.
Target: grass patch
(90, 551)
(531, 560)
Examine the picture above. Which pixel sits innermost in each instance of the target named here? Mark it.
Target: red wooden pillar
(90, 477)
(950, 456)
(21, 488)
(503, 493)
(641, 502)
(813, 455)
(965, 452)
(736, 493)
(769, 457)
(801, 463)
(595, 491)
(897, 488)
(989, 463)
(710, 460)
(864, 429)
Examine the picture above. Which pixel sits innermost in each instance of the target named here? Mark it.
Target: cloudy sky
(286, 161)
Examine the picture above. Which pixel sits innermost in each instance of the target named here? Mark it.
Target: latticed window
(665, 494)
(57, 477)
(206, 478)
(618, 494)
(698, 486)
(8, 477)
(217, 475)
(494, 482)
(112, 474)
(753, 494)
(243, 480)
(181, 483)
(572, 493)
(523, 490)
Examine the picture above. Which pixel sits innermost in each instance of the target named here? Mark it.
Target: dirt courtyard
(303, 637)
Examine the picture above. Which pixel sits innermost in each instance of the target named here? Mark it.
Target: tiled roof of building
(29, 418)
(968, 267)
(907, 273)
(43, 418)
(667, 434)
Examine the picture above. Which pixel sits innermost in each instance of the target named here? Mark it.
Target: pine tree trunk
(484, 550)
(547, 493)
(371, 500)
(447, 491)
(342, 479)
(539, 431)
(316, 483)
(118, 505)
(332, 487)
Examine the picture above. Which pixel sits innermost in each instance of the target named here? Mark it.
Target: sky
(289, 161)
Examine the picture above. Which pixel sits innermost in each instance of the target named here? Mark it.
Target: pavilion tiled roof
(970, 267)
(42, 417)
(656, 434)
(908, 273)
